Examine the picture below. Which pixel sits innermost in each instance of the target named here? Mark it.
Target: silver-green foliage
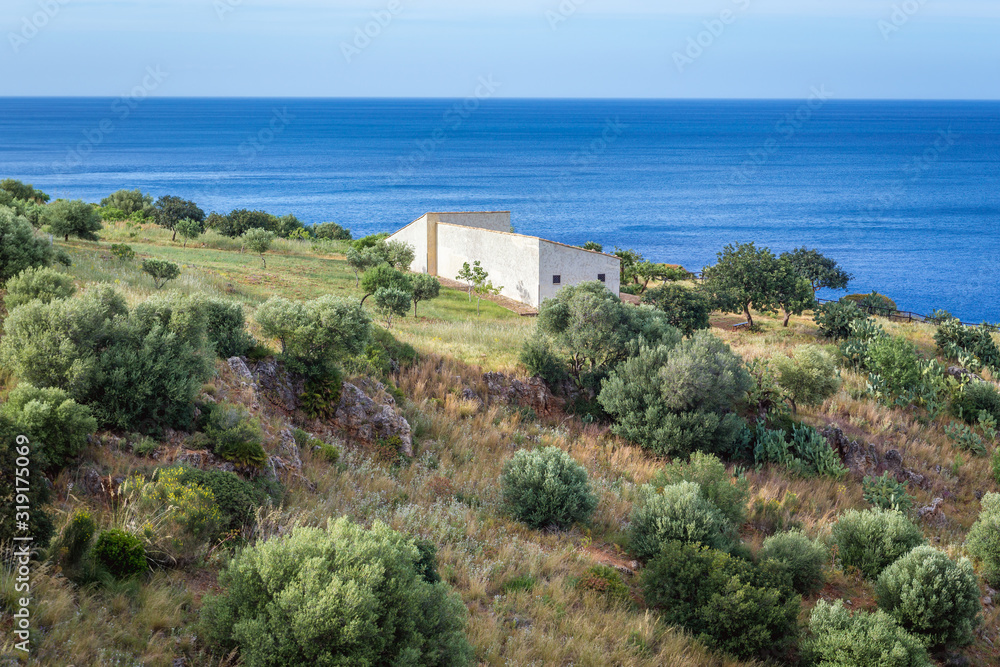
(932, 596)
(340, 596)
(56, 424)
(391, 302)
(808, 377)
(983, 541)
(20, 249)
(40, 283)
(841, 639)
(546, 487)
(729, 493)
(678, 512)
(871, 540)
(795, 555)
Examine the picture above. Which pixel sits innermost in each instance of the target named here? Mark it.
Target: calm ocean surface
(906, 195)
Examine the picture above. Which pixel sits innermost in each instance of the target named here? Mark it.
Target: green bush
(332, 231)
(975, 398)
(798, 557)
(931, 596)
(136, 369)
(40, 283)
(983, 540)
(678, 512)
(541, 360)
(834, 319)
(841, 639)
(160, 270)
(122, 554)
(391, 303)
(546, 487)
(20, 248)
(896, 364)
(122, 252)
(729, 493)
(76, 538)
(235, 435)
(77, 218)
(871, 540)
(16, 461)
(802, 449)
(886, 493)
(809, 377)
(344, 595)
(236, 498)
(226, 327)
(686, 309)
(57, 425)
(874, 303)
(972, 347)
(722, 600)
(677, 400)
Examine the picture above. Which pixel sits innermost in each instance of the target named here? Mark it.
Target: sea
(904, 195)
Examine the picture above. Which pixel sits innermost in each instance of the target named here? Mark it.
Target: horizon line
(498, 98)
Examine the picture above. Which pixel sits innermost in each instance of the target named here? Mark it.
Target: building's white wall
(510, 259)
(574, 265)
(498, 221)
(416, 235)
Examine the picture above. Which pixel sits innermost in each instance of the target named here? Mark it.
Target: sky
(895, 49)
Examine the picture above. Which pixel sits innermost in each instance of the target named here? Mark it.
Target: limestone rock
(362, 418)
(532, 393)
(288, 451)
(279, 386)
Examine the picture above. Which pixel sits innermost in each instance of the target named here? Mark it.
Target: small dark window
(602, 277)
(556, 280)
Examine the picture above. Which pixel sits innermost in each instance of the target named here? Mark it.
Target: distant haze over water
(906, 195)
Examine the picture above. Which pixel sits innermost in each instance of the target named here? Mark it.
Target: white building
(528, 268)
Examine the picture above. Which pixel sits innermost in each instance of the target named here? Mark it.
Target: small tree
(809, 377)
(161, 271)
(129, 202)
(20, 249)
(258, 241)
(425, 288)
(482, 286)
(820, 271)
(686, 309)
(332, 231)
(170, 210)
(630, 259)
(744, 276)
(392, 302)
(398, 254)
(189, 229)
(792, 293)
(870, 540)
(681, 513)
(57, 425)
(76, 218)
(593, 246)
(360, 260)
(384, 276)
(468, 276)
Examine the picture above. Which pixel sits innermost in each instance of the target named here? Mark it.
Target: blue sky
(532, 48)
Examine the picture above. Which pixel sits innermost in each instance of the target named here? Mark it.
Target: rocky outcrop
(362, 418)
(532, 393)
(279, 386)
(866, 459)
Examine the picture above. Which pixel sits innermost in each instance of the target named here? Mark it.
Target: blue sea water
(906, 195)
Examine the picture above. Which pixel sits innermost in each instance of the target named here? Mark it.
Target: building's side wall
(573, 266)
(510, 259)
(498, 221)
(416, 235)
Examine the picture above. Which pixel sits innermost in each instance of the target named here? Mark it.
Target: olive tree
(686, 309)
(392, 302)
(258, 241)
(385, 276)
(40, 283)
(161, 271)
(809, 377)
(20, 249)
(360, 260)
(189, 229)
(170, 210)
(425, 288)
(76, 218)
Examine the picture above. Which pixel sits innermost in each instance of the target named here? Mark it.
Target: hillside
(534, 597)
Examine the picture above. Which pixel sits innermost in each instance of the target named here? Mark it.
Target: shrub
(677, 513)
(809, 377)
(129, 201)
(320, 398)
(332, 231)
(975, 398)
(122, 252)
(686, 309)
(353, 596)
(15, 456)
(676, 400)
(841, 639)
(76, 538)
(542, 361)
(983, 540)
(425, 288)
(189, 229)
(972, 347)
(834, 319)
(57, 425)
(722, 600)
(871, 540)
(546, 487)
(235, 435)
(931, 596)
(20, 249)
(160, 270)
(895, 363)
(258, 241)
(236, 498)
(76, 218)
(39, 283)
(391, 303)
(886, 493)
(806, 452)
(122, 554)
(225, 327)
(874, 303)
(798, 557)
(187, 514)
(729, 493)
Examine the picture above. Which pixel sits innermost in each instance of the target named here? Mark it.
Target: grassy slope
(450, 492)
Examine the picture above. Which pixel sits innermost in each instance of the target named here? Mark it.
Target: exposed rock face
(279, 386)
(868, 460)
(533, 393)
(362, 418)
